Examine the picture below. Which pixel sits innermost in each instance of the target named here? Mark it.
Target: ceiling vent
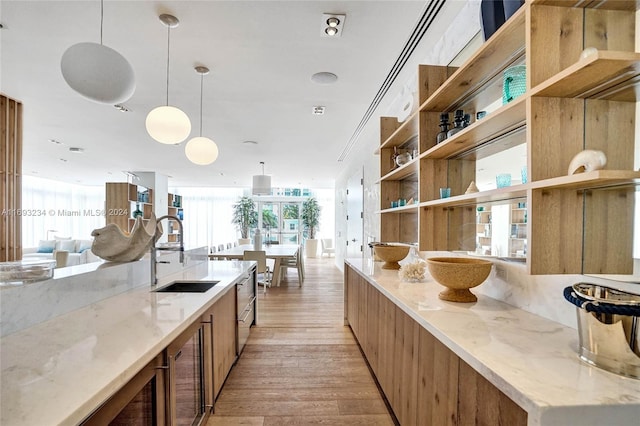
(318, 110)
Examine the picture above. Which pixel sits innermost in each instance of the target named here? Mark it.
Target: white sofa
(79, 251)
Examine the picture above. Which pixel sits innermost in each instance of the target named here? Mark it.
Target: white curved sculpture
(110, 243)
(587, 161)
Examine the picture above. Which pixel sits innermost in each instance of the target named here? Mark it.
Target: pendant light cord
(101, 18)
(168, 47)
(201, 85)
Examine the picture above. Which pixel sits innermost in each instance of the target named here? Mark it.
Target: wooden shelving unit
(174, 208)
(571, 104)
(122, 199)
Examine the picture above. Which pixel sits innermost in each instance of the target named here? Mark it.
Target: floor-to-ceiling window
(52, 208)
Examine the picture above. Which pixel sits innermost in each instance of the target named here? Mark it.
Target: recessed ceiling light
(318, 110)
(250, 143)
(56, 142)
(332, 25)
(333, 21)
(76, 150)
(331, 31)
(324, 77)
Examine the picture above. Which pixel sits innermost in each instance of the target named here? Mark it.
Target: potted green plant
(310, 220)
(245, 217)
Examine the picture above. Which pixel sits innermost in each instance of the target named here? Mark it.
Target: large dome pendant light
(167, 124)
(200, 150)
(98, 72)
(261, 183)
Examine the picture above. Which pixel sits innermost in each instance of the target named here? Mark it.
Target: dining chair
(229, 245)
(294, 262)
(327, 247)
(264, 274)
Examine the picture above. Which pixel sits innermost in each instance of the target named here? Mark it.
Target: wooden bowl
(391, 254)
(458, 274)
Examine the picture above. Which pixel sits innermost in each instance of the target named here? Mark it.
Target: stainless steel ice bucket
(608, 327)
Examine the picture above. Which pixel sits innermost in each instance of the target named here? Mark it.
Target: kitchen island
(61, 370)
(528, 365)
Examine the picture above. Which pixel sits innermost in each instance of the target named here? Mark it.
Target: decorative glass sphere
(201, 151)
(167, 124)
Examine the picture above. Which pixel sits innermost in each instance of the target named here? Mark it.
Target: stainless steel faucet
(154, 261)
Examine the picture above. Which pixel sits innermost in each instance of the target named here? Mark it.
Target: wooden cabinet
(139, 402)
(572, 102)
(424, 381)
(223, 335)
(123, 199)
(186, 392)
(181, 383)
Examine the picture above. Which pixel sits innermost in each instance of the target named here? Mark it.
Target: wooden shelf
(404, 209)
(602, 75)
(402, 172)
(496, 54)
(607, 4)
(590, 180)
(402, 134)
(505, 119)
(501, 194)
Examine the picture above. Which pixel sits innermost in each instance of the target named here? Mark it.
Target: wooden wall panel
(609, 29)
(555, 135)
(437, 382)
(386, 337)
(554, 39)
(481, 403)
(10, 179)
(610, 128)
(608, 245)
(555, 243)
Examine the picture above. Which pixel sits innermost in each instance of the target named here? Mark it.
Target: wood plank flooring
(301, 366)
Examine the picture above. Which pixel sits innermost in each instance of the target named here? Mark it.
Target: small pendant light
(201, 150)
(168, 124)
(261, 183)
(98, 72)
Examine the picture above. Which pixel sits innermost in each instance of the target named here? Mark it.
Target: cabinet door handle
(248, 311)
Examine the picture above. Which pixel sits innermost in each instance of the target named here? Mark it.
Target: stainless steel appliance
(247, 304)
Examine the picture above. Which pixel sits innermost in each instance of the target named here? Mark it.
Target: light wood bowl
(458, 274)
(391, 254)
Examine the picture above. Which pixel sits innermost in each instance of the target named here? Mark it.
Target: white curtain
(207, 215)
(57, 208)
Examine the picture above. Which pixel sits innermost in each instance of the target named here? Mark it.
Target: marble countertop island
(531, 359)
(59, 371)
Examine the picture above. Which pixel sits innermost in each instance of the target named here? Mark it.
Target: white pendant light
(201, 150)
(261, 183)
(98, 72)
(168, 124)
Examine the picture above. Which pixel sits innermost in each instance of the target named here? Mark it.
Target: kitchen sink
(187, 287)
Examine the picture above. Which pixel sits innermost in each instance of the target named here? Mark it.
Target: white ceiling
(261, 55)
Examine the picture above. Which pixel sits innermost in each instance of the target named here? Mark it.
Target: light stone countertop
(59, 371)
(531, 359)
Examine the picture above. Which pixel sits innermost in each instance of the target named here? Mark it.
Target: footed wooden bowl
(391, 255)
(458, 274)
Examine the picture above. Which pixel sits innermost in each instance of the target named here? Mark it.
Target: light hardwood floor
(301, 365)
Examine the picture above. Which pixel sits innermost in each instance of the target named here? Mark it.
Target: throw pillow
(66, 245)
(46, 246)
(83, 245)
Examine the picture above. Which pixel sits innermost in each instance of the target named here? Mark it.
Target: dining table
(277, 252)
